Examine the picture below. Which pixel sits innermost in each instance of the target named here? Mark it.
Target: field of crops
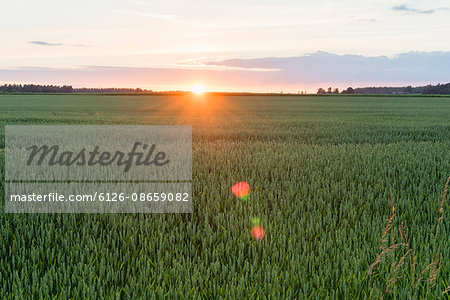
(321, 170)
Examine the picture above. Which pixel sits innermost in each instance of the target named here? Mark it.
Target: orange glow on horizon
(198, 89)
(204, 112)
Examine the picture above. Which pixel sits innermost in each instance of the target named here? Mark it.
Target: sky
(247, 45)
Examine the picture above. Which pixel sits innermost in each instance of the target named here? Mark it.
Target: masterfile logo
(98, 169)
(50, 152)
(51, 155)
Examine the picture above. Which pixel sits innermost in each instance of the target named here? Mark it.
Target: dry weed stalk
(382, 255)
(434, 267)
(403, 235)
(446, 290)
(441, 209)
(394, 278)
(401, 262)
(422, 273)
(388, 225)
(413, 267)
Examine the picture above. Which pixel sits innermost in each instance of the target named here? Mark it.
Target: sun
(198, 89)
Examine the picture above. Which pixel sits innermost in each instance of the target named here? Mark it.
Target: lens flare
(258, 232)
(241, 190)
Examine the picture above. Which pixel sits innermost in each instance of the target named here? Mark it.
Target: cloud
(407, 8)
(42, 43)
(286, 73)
(367, 20)
(321, 66)
(149, 14)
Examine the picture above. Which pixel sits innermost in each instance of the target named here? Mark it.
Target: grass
(399, 269)
(321, 170)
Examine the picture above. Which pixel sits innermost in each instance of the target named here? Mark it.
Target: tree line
(437, 89)
(37, 88)
(440, 89)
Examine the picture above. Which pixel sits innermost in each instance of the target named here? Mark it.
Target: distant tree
(407, 90)
(336, 91)
(320, 91)
(349, 90)
(443, 89)
(329, 90)
(33, 88)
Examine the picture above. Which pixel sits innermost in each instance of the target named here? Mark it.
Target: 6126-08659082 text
(101, 197)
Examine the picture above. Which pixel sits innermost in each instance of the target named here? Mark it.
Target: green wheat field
(322, 170)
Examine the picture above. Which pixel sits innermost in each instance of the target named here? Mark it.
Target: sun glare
(198, 89)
